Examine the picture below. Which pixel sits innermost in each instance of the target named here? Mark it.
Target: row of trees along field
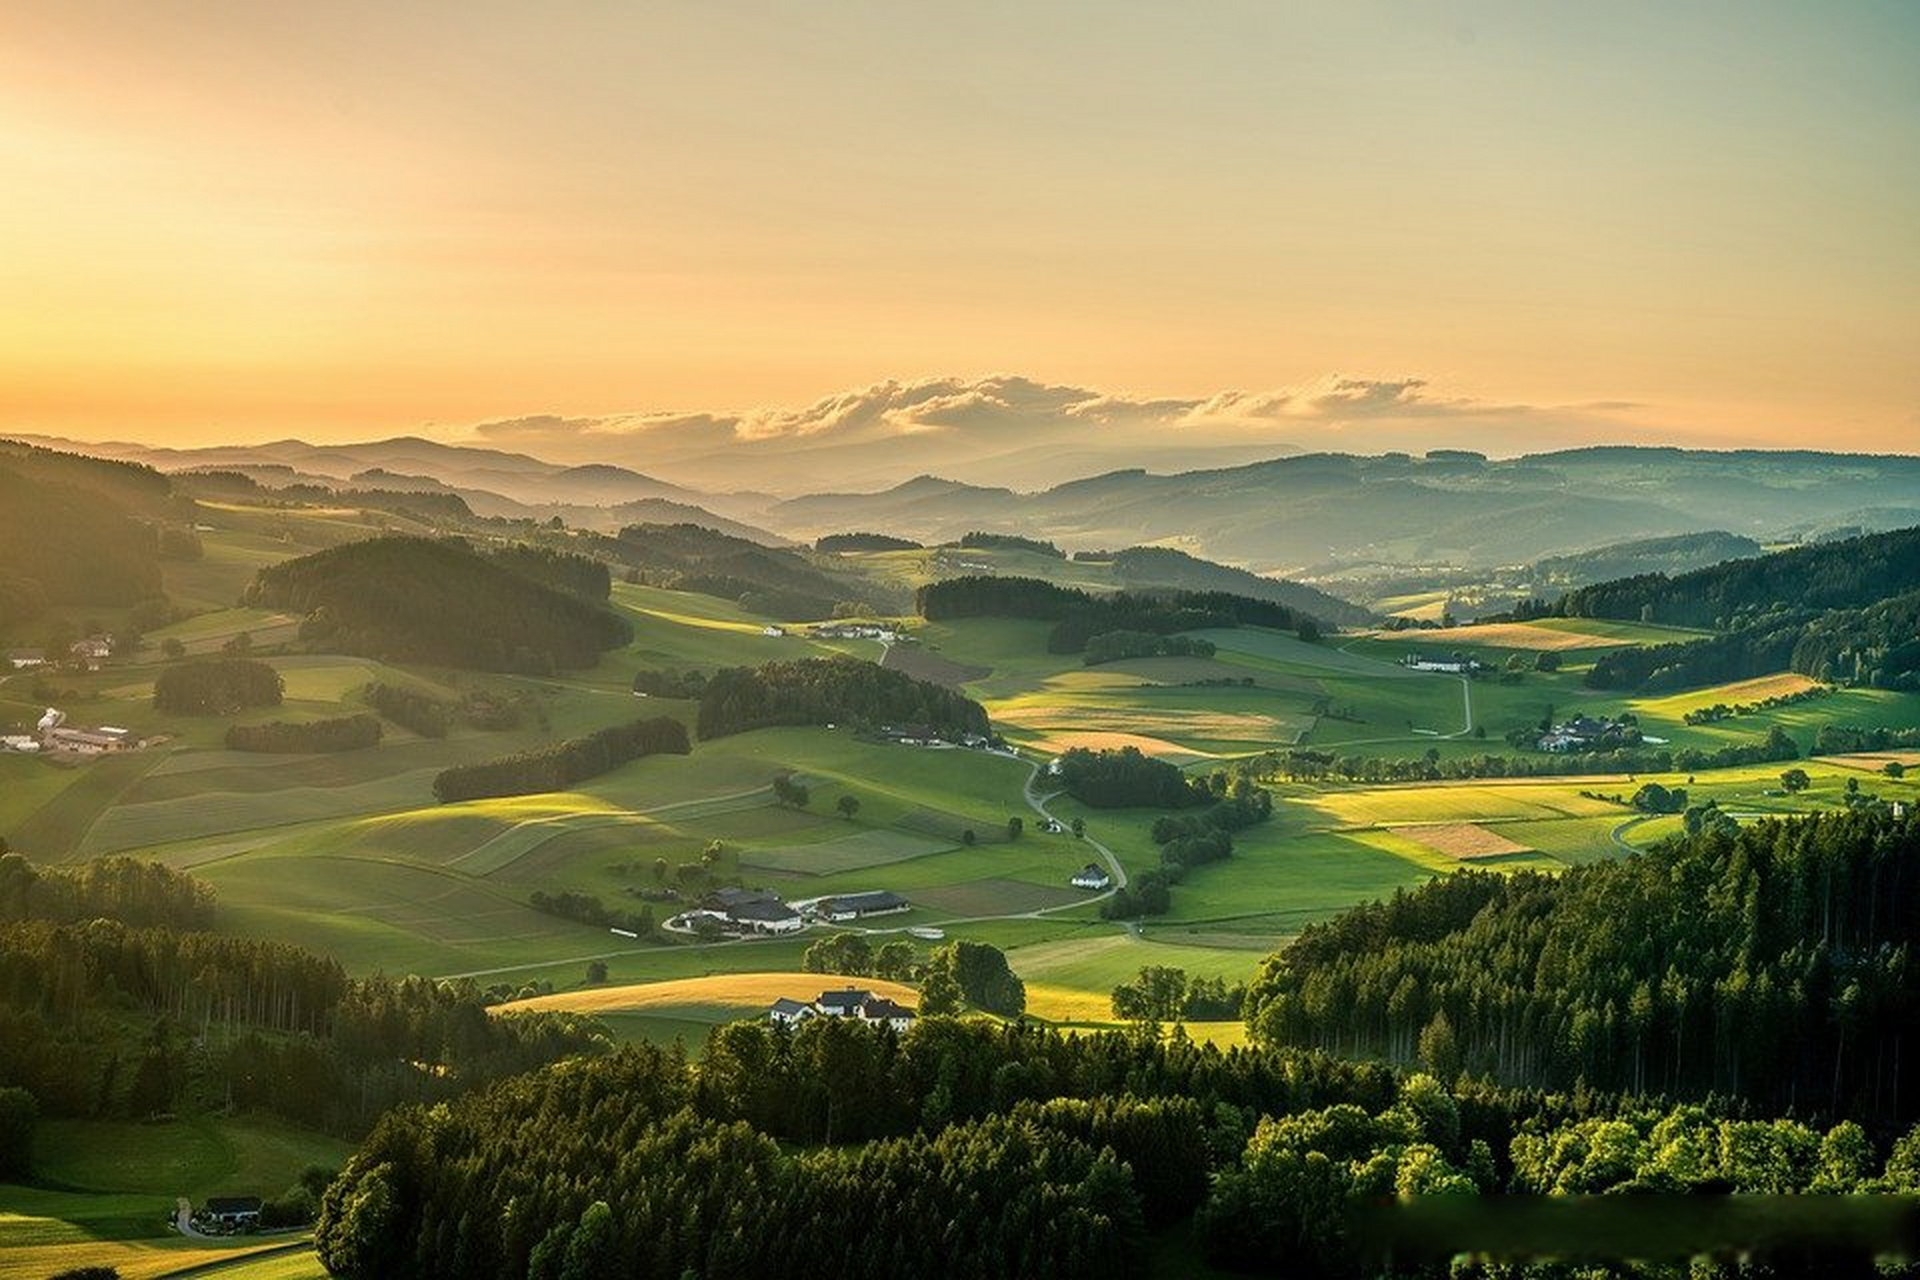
(1308, 764)
(216, 686)
(561, 765)
(431, 716)
(342, 733)
(114, 1002)
(979, 1149)
(1079, 616)
(439, 601)
(836, 690)
(1771, 962)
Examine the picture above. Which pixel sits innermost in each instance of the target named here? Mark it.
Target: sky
(1692, 223)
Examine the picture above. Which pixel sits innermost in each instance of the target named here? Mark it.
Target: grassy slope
(117, 1181)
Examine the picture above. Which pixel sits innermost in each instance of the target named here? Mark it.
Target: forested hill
(1079, 616)
(689, 557)
(422, 600)
(80, 531)
(1773, 964)
(1167, 567)
(832, 691)
(1681, 553)
(1834, 575)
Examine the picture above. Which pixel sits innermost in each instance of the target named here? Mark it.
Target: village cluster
(748, 911)
(87, 653)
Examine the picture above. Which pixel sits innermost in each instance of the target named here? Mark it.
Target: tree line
(119, 888)
(834, 543)
(838, 690)
(1309, 765)
(560, 765)
(342, 733)
(1113, 646)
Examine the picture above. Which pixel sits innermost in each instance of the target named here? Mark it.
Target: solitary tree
(1015, 825)
(1079, 827)
(1795, 780)
(848, 805)
(172, 647)
(596, 971)
(1894, 769)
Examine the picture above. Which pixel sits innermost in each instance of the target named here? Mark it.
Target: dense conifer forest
(1770, 962)
(1079, 616)
(421, 600)
(831, 691)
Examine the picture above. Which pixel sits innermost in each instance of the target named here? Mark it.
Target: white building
(1091, 876)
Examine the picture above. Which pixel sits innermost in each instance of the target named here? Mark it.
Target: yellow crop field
(1507, 635)
(1779, 685)
(1461, 840)
(749, 992)
(133, 1259)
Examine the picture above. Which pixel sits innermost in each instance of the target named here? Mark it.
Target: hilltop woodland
(422, 600)
(1842, 611)
(1080, 617)
(1043, 1154)
(111, 524)
(839, 690)
(115, 1003)
(687, 557)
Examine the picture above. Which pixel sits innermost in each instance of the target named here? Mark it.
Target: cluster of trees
(426, 715)
(588, 909)
(1078, 616)
(974, 973)
(1771, 963)
(978, 541)
(1727, 711)
(568, 571)
(654, 683)
(343, 733)
(440, 601)
(1112, 646)
(216, 686)
(839, 542)
(837, 690)
(560, 765)
(1163, 993)
(1192, 840)
(1654, 798)
(116, 888)
(896, 960)
(1127, 778)
(1307, 765)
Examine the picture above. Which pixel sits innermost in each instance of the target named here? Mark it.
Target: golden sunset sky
(238, 221)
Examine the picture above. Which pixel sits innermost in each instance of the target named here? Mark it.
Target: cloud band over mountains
(989, 429)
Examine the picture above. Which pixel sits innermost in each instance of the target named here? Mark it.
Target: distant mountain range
(1301, 514)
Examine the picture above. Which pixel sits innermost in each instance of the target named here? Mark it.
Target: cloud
(1006, 428)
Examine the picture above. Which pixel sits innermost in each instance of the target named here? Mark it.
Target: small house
(93, 648)
(22, 659)
(234, 1213)
(1091, 876)
(882, 1010)
(842, 1004)
(791, 1012)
